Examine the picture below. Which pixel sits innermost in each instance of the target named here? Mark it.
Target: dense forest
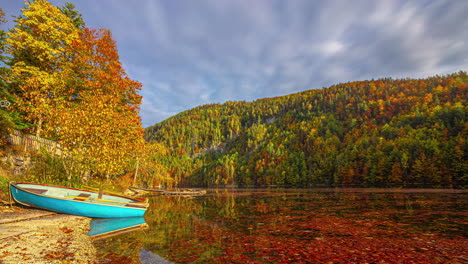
(382, 133)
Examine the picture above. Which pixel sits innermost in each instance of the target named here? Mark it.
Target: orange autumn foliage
(99, 122)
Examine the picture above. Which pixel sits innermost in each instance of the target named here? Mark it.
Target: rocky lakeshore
(36, 236)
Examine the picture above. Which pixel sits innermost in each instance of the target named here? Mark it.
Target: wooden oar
(109, 192)
(118, 194)
(104, 191)
(107, 201)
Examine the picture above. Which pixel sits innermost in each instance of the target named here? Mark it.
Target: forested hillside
(409, 132)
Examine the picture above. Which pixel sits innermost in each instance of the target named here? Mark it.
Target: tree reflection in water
(298, 226)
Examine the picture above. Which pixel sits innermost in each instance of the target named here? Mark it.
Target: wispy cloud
(188, 53)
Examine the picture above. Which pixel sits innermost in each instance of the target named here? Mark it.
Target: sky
(190, 53)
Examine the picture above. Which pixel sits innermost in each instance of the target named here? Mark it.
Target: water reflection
(104, 228)
(277, 225)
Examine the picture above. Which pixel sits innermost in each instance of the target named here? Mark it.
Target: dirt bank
(36, 236)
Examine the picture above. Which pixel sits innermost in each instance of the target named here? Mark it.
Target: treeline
(408, 132)
(64, 81)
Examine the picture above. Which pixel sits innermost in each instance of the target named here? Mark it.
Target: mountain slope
(371, 133)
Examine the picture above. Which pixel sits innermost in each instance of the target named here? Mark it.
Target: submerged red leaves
(287, 235)
(307, 228)
(326, 239)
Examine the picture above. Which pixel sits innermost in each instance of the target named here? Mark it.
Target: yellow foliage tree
(39, 46)
(71, 84)
(152, 167)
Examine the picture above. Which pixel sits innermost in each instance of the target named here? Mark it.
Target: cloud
(333, 47)
(196, 52)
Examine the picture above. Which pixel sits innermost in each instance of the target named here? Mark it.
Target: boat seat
(84, 195)
(34, 190)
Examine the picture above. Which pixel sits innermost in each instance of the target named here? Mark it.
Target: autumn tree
(39, 48)
(70, 83)
(99, 122)
(152, 170)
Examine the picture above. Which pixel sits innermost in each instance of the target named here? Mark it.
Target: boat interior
(81, 195)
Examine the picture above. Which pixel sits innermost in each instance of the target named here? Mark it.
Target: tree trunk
(39, 127)
(136, 172)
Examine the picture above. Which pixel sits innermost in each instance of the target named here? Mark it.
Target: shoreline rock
(36, 236)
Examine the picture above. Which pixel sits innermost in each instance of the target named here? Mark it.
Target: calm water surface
(299, 226)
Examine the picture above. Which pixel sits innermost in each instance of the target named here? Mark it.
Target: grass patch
(4, 187)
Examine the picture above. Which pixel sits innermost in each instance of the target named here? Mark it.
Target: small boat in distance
(180, 192)
(77, 202)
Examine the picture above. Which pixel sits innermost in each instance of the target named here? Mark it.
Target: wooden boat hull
(76, 201)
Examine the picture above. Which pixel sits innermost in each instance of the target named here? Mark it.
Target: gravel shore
(36, 236)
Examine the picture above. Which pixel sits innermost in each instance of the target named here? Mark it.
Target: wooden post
(10, 196)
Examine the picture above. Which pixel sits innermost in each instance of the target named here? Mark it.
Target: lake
(298, 226)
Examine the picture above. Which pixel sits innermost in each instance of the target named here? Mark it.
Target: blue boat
(77, 202)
